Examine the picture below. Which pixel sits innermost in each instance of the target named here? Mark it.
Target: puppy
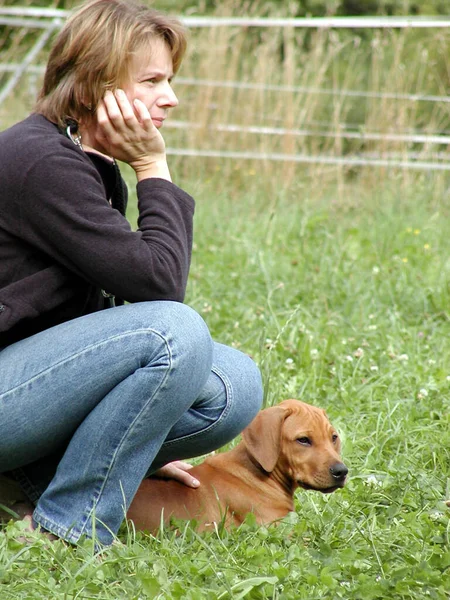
(286, 446)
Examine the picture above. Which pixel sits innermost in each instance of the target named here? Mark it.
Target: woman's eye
(151, 80)
(305, 441)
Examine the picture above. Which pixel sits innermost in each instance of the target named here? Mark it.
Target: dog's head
(297, 444)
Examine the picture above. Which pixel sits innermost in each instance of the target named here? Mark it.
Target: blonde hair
(93, 53)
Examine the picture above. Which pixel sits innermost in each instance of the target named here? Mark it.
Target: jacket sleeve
(64, 213)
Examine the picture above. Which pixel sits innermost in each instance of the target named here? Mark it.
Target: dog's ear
(262, 437)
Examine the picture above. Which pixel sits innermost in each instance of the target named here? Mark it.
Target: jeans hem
(68, 534)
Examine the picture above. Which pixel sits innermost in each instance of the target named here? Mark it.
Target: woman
(94, 398)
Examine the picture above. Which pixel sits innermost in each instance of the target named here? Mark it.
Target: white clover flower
(435, 515)
(349, 358)
(358, 353)
(314, 353)
(289, 361)
(403, 357)
(373, 481)
(373, 367)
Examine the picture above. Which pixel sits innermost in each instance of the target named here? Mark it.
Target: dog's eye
(335, 438)
(305, 441)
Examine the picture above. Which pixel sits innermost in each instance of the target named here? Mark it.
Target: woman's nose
(168, 98)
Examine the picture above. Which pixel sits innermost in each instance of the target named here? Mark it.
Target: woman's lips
(158, 122)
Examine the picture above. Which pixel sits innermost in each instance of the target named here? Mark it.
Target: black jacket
(61, 242)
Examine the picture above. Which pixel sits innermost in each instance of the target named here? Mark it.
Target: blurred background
(336, 99)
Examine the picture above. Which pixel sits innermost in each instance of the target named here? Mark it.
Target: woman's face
(150, 81)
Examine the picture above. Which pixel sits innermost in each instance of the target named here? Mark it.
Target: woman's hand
(179, 471)
(129, 135)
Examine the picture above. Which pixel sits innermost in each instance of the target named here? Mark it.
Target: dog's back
(222, 484)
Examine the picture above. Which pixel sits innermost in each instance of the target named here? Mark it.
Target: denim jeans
(92, 406)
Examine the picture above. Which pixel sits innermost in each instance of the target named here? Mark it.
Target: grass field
(343, 300)
(337, 283)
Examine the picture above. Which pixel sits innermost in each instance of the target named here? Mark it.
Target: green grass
(337, 283)
(340, 292)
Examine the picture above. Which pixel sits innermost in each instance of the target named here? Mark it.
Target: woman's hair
(94, 52)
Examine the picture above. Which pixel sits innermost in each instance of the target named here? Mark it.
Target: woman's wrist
(158, 168)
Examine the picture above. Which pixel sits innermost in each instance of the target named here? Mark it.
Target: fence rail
(415, 138)
(34, 15)
(347, 161)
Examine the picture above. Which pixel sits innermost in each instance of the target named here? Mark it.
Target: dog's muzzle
(339, 473)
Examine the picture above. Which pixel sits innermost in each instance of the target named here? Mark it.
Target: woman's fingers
(143, 114)
(179, 471)
(119, 111)
(103, 119)
(116, 114)
(126, 132)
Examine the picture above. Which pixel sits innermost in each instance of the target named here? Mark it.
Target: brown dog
(286, 446)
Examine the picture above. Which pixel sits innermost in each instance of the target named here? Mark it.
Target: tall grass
(386, 65)
(336, 282)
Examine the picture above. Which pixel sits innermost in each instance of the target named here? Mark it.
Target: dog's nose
(339, 471)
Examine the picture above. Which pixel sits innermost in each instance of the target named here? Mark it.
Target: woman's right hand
(129, 135)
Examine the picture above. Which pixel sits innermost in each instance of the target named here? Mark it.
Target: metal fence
(47, 21)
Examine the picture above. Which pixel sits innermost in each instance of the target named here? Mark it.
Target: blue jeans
(92, 406)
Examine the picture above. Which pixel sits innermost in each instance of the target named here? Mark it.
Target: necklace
(73, 133)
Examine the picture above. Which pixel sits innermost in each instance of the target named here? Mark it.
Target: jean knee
(185, 337)
(191, 333)
(228, 403)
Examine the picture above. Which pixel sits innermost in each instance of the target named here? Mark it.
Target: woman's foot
(30, 526)
(13, 502)
(15, 510)
(23, 509)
